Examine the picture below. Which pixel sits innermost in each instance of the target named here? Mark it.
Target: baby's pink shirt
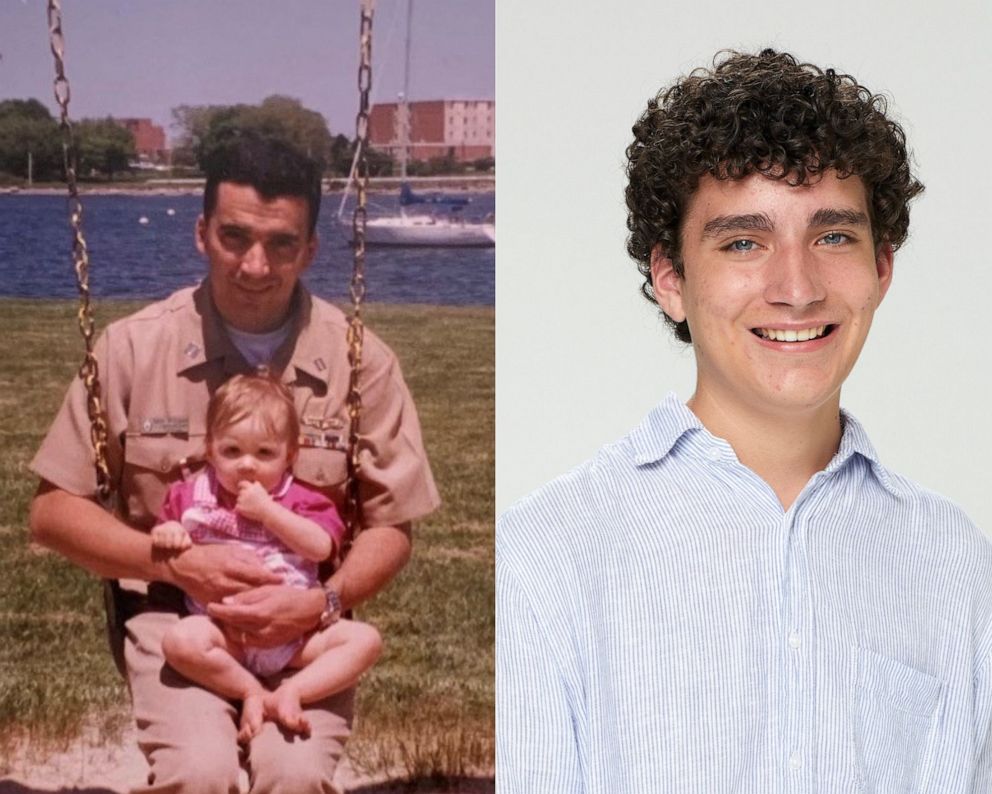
(300, 499)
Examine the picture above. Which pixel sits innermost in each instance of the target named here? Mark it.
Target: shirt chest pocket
(895, 708)
(322, 459)
(151, 463)
(322, 467)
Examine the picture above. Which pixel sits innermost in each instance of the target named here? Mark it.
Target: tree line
(30, 138)
(204, 127)
(31, 141)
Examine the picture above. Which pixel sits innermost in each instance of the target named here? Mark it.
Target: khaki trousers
(189, 735)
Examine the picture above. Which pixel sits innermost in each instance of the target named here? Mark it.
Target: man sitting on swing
(158, 370)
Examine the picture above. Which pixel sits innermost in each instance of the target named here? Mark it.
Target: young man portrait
(739, 595)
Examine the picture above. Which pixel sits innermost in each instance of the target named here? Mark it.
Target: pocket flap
(160, 453)
(902, 686)
(323, 468)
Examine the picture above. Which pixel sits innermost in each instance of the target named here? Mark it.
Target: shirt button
(714, 454)
(795, 760)
(794, 640)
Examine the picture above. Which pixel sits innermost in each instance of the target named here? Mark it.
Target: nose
(247, 465)
(255, 262)
(793, 278)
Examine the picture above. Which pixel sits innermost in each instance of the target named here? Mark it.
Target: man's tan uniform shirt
(158, 368)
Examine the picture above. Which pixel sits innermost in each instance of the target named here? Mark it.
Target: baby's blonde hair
(259, 395)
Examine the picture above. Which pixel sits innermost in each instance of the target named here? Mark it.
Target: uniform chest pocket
(151, 462)
(323, 468)
(895, 708)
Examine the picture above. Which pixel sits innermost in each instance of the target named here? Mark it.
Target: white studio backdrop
(581, 357)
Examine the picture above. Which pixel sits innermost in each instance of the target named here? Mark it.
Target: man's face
(779, 289)
(257, 250)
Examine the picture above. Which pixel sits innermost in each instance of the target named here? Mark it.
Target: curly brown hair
(763, 113)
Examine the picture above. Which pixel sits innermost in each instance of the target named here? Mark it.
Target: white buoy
(143, 220)
(170, 212)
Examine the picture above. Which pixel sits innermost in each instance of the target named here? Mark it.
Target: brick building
(149, 139)
(461, 128)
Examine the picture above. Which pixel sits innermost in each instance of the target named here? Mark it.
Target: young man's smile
(779, 288)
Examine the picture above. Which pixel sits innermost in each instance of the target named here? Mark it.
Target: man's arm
(982, 780)
(83, 532)
(267, 614)
(536, 741)
(375, 557)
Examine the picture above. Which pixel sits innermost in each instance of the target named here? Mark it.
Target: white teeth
(781, 335)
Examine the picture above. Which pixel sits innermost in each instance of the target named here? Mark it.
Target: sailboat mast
(404, 107)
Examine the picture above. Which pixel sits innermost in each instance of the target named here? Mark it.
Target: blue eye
(834, 238)
(741, 246)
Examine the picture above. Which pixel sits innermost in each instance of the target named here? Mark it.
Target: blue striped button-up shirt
(664, 626)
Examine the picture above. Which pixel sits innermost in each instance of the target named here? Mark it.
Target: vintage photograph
(248, 302)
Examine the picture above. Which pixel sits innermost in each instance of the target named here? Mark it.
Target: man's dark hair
(764, 113)
(271, 165)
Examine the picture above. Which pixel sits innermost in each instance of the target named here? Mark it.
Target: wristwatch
(332, 608)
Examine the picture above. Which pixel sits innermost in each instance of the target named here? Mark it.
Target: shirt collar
(305, 353)
(204, 336)
(671, 419)
(206, 339)
(853, 440)
(667, 422)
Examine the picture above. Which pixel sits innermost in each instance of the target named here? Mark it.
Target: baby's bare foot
(283, 706)
(252, 717)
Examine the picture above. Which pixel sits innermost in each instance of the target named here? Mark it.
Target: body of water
(132, 260)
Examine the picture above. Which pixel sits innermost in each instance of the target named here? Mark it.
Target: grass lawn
(426, 706)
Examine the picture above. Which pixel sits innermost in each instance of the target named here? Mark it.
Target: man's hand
(270, 615)
(212, 571)
(253, 501)
(171, 535)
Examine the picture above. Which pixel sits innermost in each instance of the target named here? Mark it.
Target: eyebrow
(835, 217)
(281, 236)
(759, 222)
(753, 222)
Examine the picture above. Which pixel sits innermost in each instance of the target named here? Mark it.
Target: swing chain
(356, 330)
(89, 370)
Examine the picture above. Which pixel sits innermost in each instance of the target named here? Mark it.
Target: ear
(884, 261)
(201, 235)
(313, 244)
(667, 284)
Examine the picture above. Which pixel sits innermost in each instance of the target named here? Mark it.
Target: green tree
(443, 164)
(342, 153)
(380, 163)
(27, 128)
(103, 146)
(193, 122)
(204, 127)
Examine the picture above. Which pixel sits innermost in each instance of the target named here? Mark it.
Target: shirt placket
(797, 644)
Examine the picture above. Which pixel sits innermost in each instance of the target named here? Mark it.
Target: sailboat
(443, 224)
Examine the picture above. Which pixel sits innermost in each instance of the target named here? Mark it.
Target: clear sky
(141, 59)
